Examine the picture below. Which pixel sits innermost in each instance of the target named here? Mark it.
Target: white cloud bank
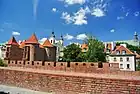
(15, 33)
(71, 2)
(68, 37)
(78, 18)
(43, 39)
(96, 8)
(98, 12)
(81, 37)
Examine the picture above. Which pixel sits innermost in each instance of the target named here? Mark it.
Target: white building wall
(131, 62)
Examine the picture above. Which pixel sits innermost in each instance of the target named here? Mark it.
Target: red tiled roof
(84, 46)
(22, 44)
(41, 46)
(137, 55)
(12, 41)
(122, 48)
(32, 40)
(47, 44)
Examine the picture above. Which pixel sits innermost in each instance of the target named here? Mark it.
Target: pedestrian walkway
(17, 90)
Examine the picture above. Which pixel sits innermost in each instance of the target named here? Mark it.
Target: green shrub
(2, 64)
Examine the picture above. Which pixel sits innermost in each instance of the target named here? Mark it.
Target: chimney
(113, 45)
(123, 45)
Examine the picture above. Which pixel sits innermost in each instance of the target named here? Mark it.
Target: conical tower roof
(12, 41)
(32, 40)
(47, 44)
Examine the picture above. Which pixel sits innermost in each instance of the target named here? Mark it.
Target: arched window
(127, 59)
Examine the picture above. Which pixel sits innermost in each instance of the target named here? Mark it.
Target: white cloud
(43, 39)
(35, 5)
(112, 30)
(98, 12)
(67, 17)
(120, 18)
(54, 10)
(68, 37)
(136, 13)
(15, 33)
(71, 2)
(78, 18)
(97, 8)
(81, 36)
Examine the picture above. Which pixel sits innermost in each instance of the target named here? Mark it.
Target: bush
(2, 64)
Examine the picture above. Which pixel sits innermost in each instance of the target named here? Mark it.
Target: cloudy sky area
(106, 19)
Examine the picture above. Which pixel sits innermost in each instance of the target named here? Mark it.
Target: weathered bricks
(63, 84)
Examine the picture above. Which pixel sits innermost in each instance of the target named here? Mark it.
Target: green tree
(71, 53)
(2, 63)
(95, 51)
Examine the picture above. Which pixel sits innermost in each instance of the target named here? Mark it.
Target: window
(121, 66)
(121, 59)
(76, 63)
(128, 66)
(43, 63)
(127, 59)
(123, 52)
(92, 64)
(84, 64)
(8, 49)
(54, 64)
(115, 59)
(32, 62)
(117, 52)
(68, 64)
(100, 65)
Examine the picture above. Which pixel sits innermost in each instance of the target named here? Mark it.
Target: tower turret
(135, 36)
(61, 40)
(52, 38)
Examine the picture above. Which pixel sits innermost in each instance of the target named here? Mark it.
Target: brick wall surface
(82, 67)
(64, 84)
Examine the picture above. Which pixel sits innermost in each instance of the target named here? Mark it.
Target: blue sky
(106, 19)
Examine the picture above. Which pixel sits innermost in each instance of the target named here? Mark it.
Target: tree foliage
(71, 53)
(2, 63)
(95, 51)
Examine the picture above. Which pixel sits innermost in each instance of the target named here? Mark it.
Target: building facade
(2, 50)
(123, 56)
(30, 50)
(59, 44)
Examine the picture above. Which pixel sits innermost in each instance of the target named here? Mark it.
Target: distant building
(123, 56)
(30, 50)
(84, 47)
(134, 42)
(2, 50)
(59, 44)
